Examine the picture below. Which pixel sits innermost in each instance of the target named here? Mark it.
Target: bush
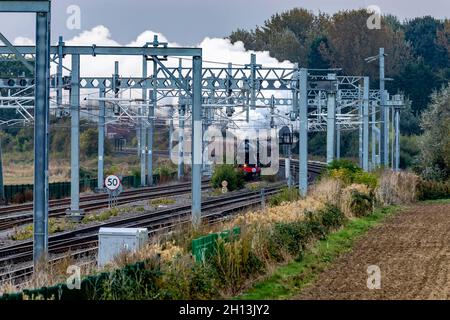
(331, 217)
(366, 178)
(292, 238)
(165, 172)
(361, 204)
(288, 238)
(349, 173)
(433, 190)
(234, 262)
(357, 200)
(227, 173)
(343, 164)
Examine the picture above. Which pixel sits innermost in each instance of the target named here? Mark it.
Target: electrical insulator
(293, 116)
(230, 111)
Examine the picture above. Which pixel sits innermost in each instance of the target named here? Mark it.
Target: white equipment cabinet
(114, 241)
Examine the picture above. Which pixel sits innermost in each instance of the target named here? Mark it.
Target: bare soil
(412, 250)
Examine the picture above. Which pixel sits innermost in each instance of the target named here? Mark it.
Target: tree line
(418, 50)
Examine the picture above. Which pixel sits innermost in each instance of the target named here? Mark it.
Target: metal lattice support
(75, 138)
(303, 131)
(101, 139)
(41, 118)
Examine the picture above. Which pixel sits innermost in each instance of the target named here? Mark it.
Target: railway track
(84, 241)
(16, 215)
(13, 216)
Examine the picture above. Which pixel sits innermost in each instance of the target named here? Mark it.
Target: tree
(417, 81)
(443, 36)
(409, 122)
(435, 142)
(286, 36)
(247, 37)
(315, 58)
(423, 34)
(350, 42)
(88, 142)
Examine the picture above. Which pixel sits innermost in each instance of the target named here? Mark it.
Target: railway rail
(82, 242)
(16, 215)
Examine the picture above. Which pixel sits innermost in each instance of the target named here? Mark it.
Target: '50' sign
(112, 182)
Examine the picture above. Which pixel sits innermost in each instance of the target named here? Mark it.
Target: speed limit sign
(112, 182)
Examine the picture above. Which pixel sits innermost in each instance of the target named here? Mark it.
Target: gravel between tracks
(412, 250)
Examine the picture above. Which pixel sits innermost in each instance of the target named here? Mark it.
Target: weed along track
(83, 241)
(411, 250)
(13, 216)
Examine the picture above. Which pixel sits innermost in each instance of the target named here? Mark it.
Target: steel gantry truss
(307, 100)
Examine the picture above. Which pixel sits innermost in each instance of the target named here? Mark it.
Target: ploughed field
(412, 250)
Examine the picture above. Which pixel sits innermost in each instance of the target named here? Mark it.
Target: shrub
(361, 204)
(349, 173)
(357, 200)
(291, 239)
(366, 178)
(288, 239)
(343, 164)
(331, 217)
(234, 262)
(432, 190)
(341, 174)
(227, 173)
(165, 171)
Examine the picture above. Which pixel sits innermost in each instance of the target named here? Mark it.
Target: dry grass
(397, 188)
(50, 274)
(328, 190)
(18, 170)
(347, 198)
(172, 250)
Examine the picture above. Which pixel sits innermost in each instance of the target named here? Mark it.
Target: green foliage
(288, 280)
(233, 263)
(343, 164)
(292, 238)
(366, 178)
(158, 202)
(102, 216)
(416, 80)
(111, 170)
(55, 225)
(165, 172)
(285, 195)
(88, 143)
(409, 151)
(361, 204)
(418, 57)
(433, 190)
(227, 173)
(423, 35)
(434, 156)
(349, 173)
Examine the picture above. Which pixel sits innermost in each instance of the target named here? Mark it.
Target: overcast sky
(188, 22)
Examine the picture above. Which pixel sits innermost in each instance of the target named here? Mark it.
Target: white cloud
(22, 41)
(213, 49)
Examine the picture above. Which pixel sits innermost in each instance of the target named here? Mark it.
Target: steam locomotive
(251, 167)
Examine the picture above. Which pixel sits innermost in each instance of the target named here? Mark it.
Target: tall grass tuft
(397, 188)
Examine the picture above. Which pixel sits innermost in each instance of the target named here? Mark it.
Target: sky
(188, 22)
